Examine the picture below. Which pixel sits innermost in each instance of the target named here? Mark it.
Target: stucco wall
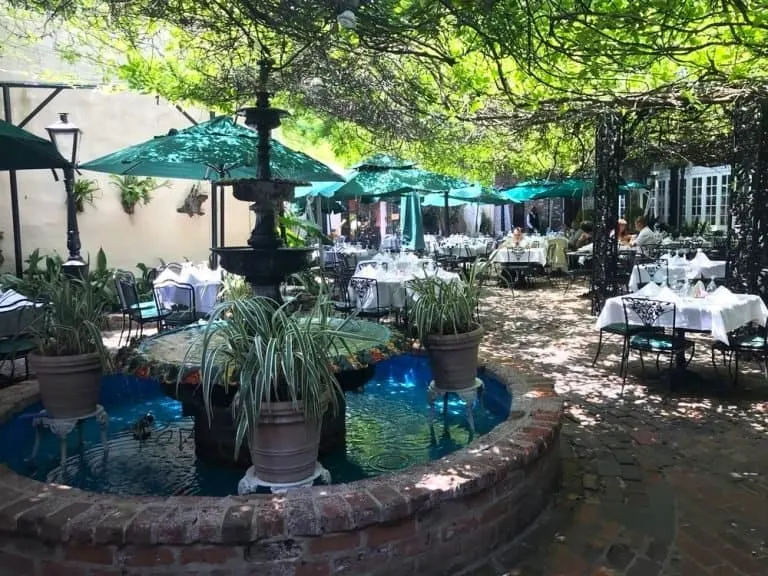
(110, 122)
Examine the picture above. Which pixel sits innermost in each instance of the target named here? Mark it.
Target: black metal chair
(182, 311)
(340, 297)
(653, 337)
(365, 288)
(132, 308)
(578, 270)
(517, 265)
(15, 342)
(751, 343)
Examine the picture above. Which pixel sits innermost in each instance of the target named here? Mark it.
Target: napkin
(666, 294)
(585, 248)
(721, 295)
(678, 261)
(701, 259)
(650, 290)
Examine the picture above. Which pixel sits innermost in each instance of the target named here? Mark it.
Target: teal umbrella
(524, 191)
(437, 200)
(411, 222)
(324, 189)
(213, 150)
(22, 150)
(384, 176)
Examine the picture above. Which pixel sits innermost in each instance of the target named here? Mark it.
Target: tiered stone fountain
(265, 263)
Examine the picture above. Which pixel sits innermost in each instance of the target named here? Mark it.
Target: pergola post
(748, 216)
(608, 157)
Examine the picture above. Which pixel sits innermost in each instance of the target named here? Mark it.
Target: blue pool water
(388, 429)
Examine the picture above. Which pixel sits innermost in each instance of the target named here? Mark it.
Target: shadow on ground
(657, 481)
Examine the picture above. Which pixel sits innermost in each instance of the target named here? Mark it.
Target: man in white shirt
(646, 238)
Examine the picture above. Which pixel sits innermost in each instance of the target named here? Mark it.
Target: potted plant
(444, 314)
(277, 363)
(70, 357)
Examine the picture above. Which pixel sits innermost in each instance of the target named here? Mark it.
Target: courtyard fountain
(123, 500)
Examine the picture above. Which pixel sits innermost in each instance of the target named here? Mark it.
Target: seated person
(646, 238)
(581, 237)
(621, 232)
(515, 240)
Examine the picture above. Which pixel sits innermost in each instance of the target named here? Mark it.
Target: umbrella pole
(14, 185)
(222, 236)
(447, 217)
(213, 260)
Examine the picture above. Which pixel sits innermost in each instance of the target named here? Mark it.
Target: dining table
(675, 268)
(204, 281)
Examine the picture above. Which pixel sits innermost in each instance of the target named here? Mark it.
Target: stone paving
(656, 482)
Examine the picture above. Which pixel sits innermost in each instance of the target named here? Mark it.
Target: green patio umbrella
(383, 176)
(214, 150)
(524, 191)
(411, 222)
(22, 150)
(437, 200)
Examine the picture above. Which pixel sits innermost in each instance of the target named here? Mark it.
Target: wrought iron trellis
(609, 153)
(748, 217)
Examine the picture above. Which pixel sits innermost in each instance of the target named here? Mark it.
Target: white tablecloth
(719, 313)
(391, 288)
(678, 271)
(205, 282)
(522, 255)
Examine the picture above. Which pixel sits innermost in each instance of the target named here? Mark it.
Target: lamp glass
(65, 135)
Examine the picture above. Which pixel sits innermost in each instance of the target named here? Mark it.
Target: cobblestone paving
(656, 482)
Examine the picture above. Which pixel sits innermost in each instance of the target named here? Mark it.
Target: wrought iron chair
(751, 343)
(132, 308)
(653, 337)
(578, 271)
(15, 343)
(517, 265)
(177, 313)
(340, 278)
(365, 288)
(174, 267)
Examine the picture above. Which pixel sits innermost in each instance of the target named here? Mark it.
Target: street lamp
(66, 137)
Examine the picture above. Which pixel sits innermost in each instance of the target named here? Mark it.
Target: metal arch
(609, 153)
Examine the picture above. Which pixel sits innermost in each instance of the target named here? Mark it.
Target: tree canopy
(471, 87)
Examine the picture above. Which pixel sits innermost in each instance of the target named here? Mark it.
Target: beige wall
(110, 122)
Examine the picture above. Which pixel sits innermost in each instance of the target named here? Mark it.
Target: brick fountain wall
(432, 519)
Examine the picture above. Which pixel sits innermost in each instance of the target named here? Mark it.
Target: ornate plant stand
(467, 395)
(63, 427)
(250, 482)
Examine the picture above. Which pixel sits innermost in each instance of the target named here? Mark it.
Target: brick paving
(656, 482)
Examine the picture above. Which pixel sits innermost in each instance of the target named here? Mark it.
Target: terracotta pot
(69, 385)
(453, 358)
(284, 447)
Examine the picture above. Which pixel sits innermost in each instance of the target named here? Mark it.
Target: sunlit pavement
(659, 481)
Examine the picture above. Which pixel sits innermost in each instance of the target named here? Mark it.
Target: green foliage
(300, 232)
(235, 287)
(41, 273)
(71, 322)
(447, 307)
(143, 283)
(694, 228)
(84, 191)
(135, 189)
(271, 356)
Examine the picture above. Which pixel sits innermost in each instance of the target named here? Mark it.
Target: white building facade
(704, 195)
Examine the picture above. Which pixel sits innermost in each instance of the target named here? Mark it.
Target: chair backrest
(187, 291)
(174, 267)
(362, 287)
(152, 275)
(648, 311)
(127, 293)
(17, 316)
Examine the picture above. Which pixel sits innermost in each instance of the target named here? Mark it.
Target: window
(710, 201)
(622, 206)
(696, 199)
(725, 194)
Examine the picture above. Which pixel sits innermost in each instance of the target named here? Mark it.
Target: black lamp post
(66, 137)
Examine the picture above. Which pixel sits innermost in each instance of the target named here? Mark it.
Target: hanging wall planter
(193, 202)
(84, 191)
(135, 189)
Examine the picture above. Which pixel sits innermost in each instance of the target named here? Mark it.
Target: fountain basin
(161, 358)
(435, 518)
(264, 268)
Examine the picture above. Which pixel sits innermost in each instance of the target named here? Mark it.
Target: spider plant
(268, 355)
(235, 287)
(71, 317)
(447, 306)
